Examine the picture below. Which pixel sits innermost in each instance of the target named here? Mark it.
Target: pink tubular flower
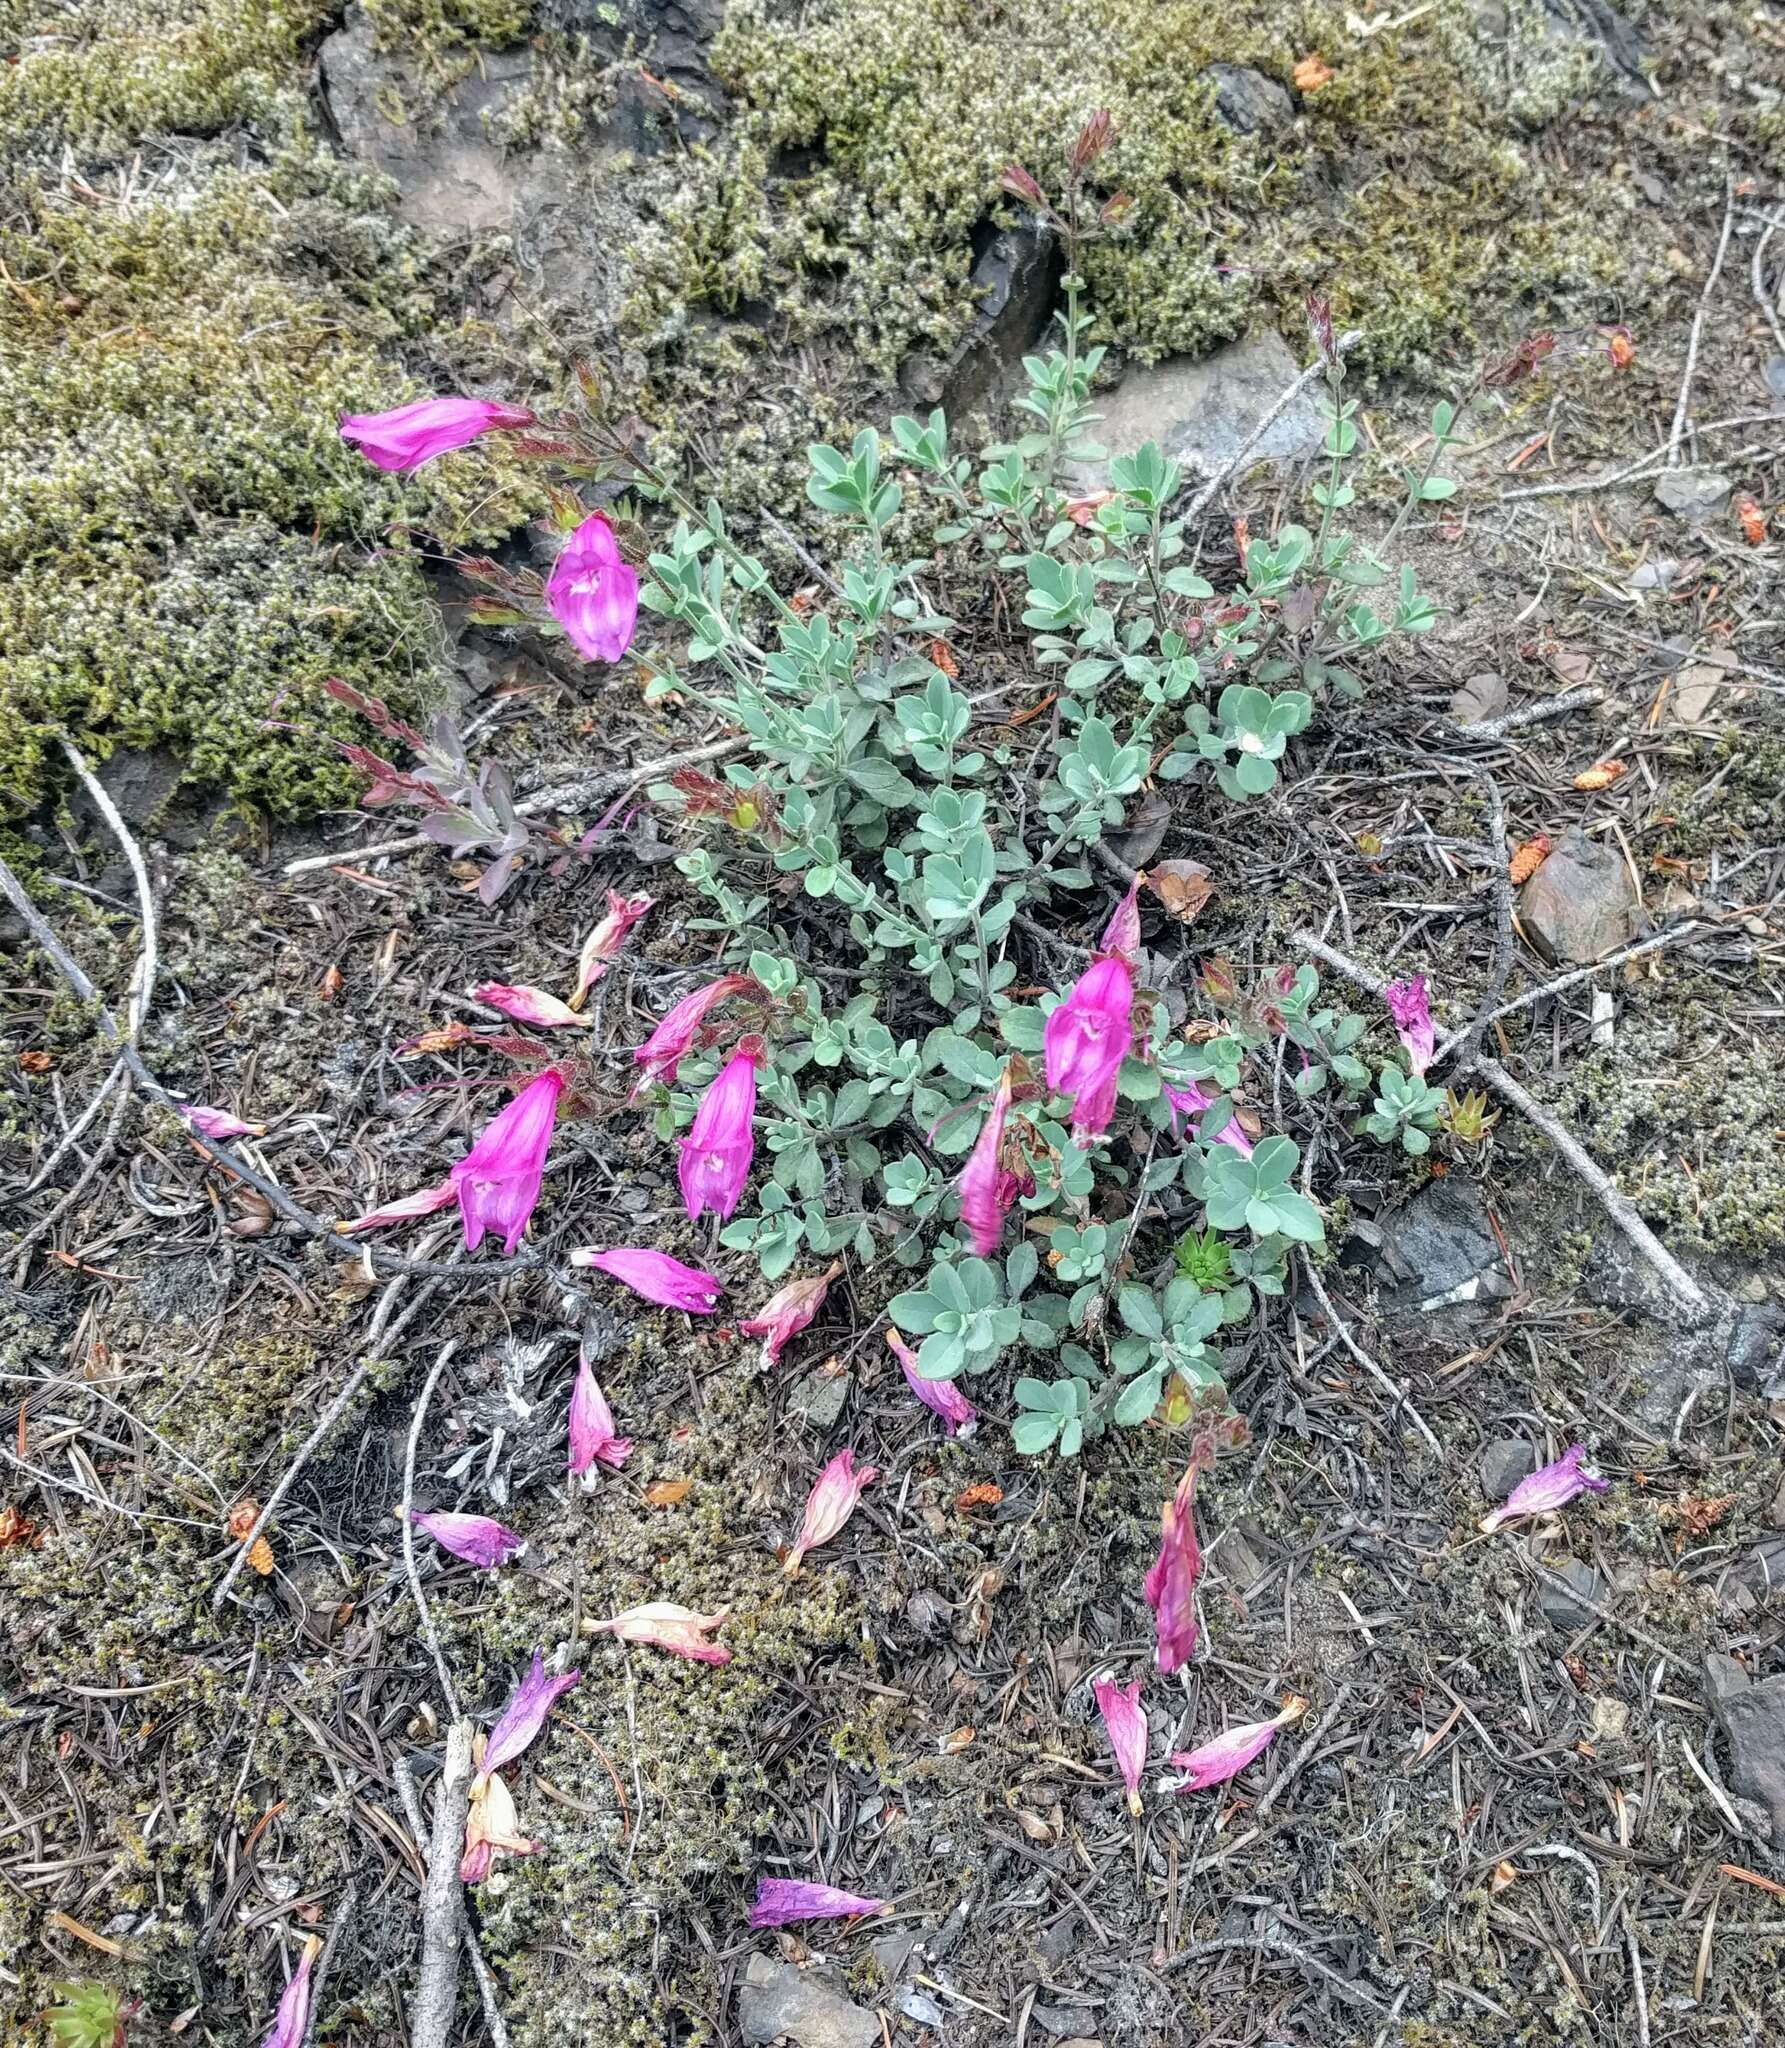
(1213, 1763)
(475, 1538)
(987, 1186)
(414, 434)
(1190, 1101)
(525, 1714)
(656, 1276)
(829, 1505)
(498, 1180)
(720, 1144)
(293, 2016)
(1087, 1037)
(1171, 1584)
(664, 1625)
(941, 1397)
(623, 912)
(782, 1900)
(492, 1828)
(219, 1124)
(1550, 1488)
(593, 1439)
(668, 1045)
(593, 593)
(1125, 1723)
(1410, 1004)
(526, 1005)
(1121, 936)
(404, 1211)
(787, 1312)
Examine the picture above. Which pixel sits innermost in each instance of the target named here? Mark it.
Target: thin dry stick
(1643, 463)
(486, 1981)
(1532, 714)
(1317, 368)
(1397, 1393)
(436, 1988)
(143, 991)
(325, 1962)
(1505, 940)
(1710, 285)
(408, 1512)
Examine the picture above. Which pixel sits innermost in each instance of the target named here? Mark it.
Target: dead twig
(325, 1962)
(1316, 369)
(1533, 714)
(423, 1612)
(443, 1904)
(1704, 300)
(1299, 1762)
(1396, 1393)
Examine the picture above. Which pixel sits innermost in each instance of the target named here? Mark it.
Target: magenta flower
(1550, 1488)
(1121, 936)
(787, 1312)
(293, 2016)
(668, 1045)
(1188, 1100)
(218, 1123)
(1410, 1004)
(475, 1538)
(941, 1397)
(593, 1438)
(664, 1625)
(656, 1276)
(1213, 1763)
(782, 1900)
(525, 1714)
(593, 593)
(623, 912)
(1125, 1723)
(988, 1187)
(720, 1144)
(1087, 1037)
(1170, 1586)
(425, 1203)
(414, 434)
(831, 1502)
(498, 1180)
(526, 1005)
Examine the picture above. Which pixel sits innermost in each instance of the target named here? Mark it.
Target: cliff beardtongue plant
(716, 1154)
(593, 593)
(498, 1180)
(414, 434)
(833, 1499)
(780, 1901)
(988, 1185)
(1550, 1488)
(656, 1276)
(1410, 1004)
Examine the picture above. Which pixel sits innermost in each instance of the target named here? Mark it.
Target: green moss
(433, 28)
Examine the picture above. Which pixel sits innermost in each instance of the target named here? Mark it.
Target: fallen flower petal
(475, 1538)
(623, 912)
(1171, 1584)
(668, 1045)
(716, 1154)
(218, 1123)
(1551, 1487)
(655, 1276)
(593, 593)
(492, 1827)
(292, 2020)
(1213, 1763)
(829, 1505)
(410, 435)
(525, 1713)
(787, 1312)
(593, 1438)
(1188, 1100)
(1125, 1723)
(422, 1204)
(664, 1625)
(1410, 1004)
(526, 1005)
(782, 1900)
(941, 1397)
(498, 1180)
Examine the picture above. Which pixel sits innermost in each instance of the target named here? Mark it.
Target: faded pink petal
(830, 1504)
(623, 912)
(1213, 1763)
(1125, 1723)
(1170, 1586)
(218, 1123)
(668, 1045)
(499, 1179)
(413, 434)
(293, 2016)
(656, 1276)
(941, 1397)
(1087, 1037)
(492, 1827)
(593, 593)
(716, 1154)
(1549, 1488)
(1121, 936)
(788, 1312)
(664, 1625)
(782, 1900)
(411, 1206)
(593, 1438)
(525, 1714)
(987, 1186)
(1410, 1004)
(1188, 1101)
(475, 1538)
(526, 1005)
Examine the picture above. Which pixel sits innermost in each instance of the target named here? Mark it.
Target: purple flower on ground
(475, 1538)
(1125, 1723)
(623, 912)
(593, 1438)
(782, 1900)
(498, 1180)
(218, 1123)
(1171, 1584)
(593, 593)
(667, 1625)
(1188, 1101)
(1410, 1004)
(293, 2016)
(716, 1154)
(525, 1714)
(656, 1276)
(1550, 1488)
(441, 1196)
(941, 1397)
(1214, 1762)
(413, 434)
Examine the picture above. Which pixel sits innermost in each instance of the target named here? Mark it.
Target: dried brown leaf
(1183, 886)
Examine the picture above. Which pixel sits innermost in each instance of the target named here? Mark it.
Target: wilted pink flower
(664, 1626)
(941, 1397)
(1170, 1586)
(716, 1154)
(526, 1005)
(1188, 1100)
(1121, 936)
(498, 1180)
(1213, 1763)
(1125, 1723)
(593, 1438)
(1410, 1004)
(593, 593)
(293, 2016)
(1020, 184)
(829, 1505)
(782, 1900)
(475, 1538)
(787, 1312)
(987, 1186)
(425, 1203)
(668, 1045)
(492, 1827)
(525, 1714)
(219, 1124)
(656, 1276)
(1551, 1487)
(1087, 1037)
(414, 434)
(623, 912)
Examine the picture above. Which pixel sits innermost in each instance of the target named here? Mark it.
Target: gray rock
(1564, 1609)
(1014, 276)
(779, 2001)
(893, 1951)
(1752, 1718)
(924, 2012)
(818, 1398)
(1061, 2021)
(1775, 376)
(1723, 1679)
(1504, 1464)
(1694, 495)
(1439, 1251)
(1202, 412)
(1756, 1353)
(1579, 905)
(1248, 101)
